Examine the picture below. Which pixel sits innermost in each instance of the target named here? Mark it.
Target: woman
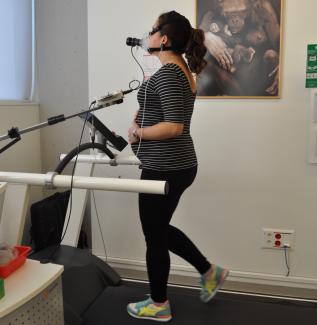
(160, 137)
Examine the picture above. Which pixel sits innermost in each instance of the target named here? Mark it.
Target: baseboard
(260, 283)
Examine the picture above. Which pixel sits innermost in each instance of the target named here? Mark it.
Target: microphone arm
(108, 100)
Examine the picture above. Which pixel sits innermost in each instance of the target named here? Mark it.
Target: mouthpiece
(133, 41)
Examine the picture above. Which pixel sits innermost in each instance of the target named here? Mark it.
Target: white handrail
(101, 158)
(91, 183)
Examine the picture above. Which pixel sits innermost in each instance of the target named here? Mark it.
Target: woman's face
(155, 37)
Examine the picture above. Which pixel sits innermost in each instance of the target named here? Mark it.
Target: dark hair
(184, 39)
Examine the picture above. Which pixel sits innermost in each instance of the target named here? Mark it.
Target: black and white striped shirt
(169, 98)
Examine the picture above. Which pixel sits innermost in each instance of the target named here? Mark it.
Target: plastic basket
(7, 269)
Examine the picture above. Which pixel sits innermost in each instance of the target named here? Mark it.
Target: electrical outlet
(278, 238)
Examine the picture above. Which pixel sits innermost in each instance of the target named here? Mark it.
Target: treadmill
(95, 294)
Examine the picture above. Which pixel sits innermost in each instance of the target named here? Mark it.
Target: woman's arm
(159, 131)
(170, 90)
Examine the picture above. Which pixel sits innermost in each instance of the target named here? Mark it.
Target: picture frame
(244, 48)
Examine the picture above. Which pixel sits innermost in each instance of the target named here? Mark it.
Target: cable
(73, 172)
(144, 106)
(138, 63)
(48, 260)
(286, 251)
(97, 214)
(135, 80)
(135, 88)
(103, 241)
(142, 122)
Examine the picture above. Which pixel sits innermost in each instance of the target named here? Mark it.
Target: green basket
(1, 288)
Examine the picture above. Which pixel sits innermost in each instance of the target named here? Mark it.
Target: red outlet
(277, 243)
(278, 236)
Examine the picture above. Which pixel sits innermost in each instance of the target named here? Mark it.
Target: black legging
(155, 213)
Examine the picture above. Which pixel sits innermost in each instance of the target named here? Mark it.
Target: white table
(33, 295)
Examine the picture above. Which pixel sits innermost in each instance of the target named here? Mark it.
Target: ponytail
(184, 39)
(196, 51)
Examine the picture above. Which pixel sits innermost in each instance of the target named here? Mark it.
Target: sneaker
(212, 282)
(147, 309)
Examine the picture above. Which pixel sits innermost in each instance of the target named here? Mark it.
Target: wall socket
(278, 238)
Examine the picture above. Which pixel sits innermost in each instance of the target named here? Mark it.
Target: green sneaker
(212, 282)
(148, 310)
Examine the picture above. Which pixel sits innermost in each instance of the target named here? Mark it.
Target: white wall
(24, 156)
(253, 169)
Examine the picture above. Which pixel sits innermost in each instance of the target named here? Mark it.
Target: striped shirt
(168, 98)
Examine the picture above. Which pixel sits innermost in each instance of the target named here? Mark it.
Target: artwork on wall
(243, 40)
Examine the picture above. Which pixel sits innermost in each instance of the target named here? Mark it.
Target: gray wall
(62, 53)
(24, 156)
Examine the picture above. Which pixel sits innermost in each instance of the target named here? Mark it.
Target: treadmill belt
(187, 309)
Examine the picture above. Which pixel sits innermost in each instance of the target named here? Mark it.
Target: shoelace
(144, 303)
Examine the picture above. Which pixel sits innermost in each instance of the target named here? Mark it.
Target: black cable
(73, 172)
(103, 241)
(137, 87)
(286, 260)
(138, 63)
(48, 260)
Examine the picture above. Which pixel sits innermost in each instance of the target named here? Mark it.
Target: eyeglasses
(154, 30)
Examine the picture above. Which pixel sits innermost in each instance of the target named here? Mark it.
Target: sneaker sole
(217, 288)
(150, 318)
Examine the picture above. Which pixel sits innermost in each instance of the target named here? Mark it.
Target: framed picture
(243, 40)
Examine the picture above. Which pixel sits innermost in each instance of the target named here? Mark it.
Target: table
(33, 295)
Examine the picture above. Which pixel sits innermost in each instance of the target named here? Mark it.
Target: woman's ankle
(208, 273)
(160, 304)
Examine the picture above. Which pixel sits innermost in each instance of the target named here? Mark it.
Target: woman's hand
(131, 133)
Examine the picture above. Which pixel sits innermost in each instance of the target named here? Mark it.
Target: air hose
(63, 163)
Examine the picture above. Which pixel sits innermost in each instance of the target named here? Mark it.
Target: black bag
(47, 218)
